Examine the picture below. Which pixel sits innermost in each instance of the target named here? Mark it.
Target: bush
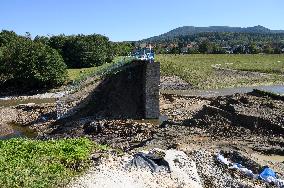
(34, 163)
(28, 64)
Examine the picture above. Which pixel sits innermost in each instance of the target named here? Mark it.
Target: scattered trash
(279, 183)
(26, 105)
(247, 172)
(222, 159)
(267, 175)
(242, 169)
(181, 167)
(152, 160)
(43, 118)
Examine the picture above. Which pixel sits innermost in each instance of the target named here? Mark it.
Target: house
(173, 45)
(169, 49)
(227, 49)
(189, 46)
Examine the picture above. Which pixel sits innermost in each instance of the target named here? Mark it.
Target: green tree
(86, 51)
(268, 49)
(122, 48)
(216, 49)
(42, 39)
(254, 49)
(29, 65)
(205, 47)
(57, 42)
(7, 36)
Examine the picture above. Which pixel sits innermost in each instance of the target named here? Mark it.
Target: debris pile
(135, 171)
(267, 174)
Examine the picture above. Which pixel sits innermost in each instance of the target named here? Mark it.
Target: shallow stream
(16, 102)
(19, 131)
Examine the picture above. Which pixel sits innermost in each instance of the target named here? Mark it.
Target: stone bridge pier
(151, 78)
(130, 91)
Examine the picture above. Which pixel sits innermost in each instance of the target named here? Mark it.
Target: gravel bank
(115, 172)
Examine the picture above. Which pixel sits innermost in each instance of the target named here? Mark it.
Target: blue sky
(122, 20)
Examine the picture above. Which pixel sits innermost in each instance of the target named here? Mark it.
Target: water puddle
(277, 89)
(19, 131)
(15, 102)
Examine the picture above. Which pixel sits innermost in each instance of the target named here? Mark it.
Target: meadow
(212, 71)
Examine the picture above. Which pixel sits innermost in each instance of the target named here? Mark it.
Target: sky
(129, 20)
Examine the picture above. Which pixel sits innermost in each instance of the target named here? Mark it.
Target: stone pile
(125, 134)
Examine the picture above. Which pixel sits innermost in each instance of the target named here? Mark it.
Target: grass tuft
(35, 163)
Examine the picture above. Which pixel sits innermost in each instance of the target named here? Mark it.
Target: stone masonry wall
(151, 90)
(131, 91)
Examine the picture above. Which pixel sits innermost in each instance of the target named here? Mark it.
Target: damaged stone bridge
(128, 92)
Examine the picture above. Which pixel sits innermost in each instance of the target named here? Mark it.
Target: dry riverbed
(246, 128)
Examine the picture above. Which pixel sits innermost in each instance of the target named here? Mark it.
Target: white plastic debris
(268, 175)
(279, 183)
(222, 159)
(247, 172)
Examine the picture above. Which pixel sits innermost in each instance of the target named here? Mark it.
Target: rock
(183, 168)
(93, 127)
(96, 157)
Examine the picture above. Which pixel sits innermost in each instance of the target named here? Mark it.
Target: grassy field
(198, 69)
(80, 74)
(35, 163)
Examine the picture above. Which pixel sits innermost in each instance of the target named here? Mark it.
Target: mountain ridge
(191, 30)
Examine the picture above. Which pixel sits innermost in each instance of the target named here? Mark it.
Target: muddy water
(19, 131)
(15, 102)
(277, 89)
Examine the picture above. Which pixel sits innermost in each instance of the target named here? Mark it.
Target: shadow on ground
(118, 96)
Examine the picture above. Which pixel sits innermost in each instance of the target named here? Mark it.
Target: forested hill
(191, 30)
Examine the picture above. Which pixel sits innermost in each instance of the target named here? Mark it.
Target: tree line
(220, 43)
(42, 62)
